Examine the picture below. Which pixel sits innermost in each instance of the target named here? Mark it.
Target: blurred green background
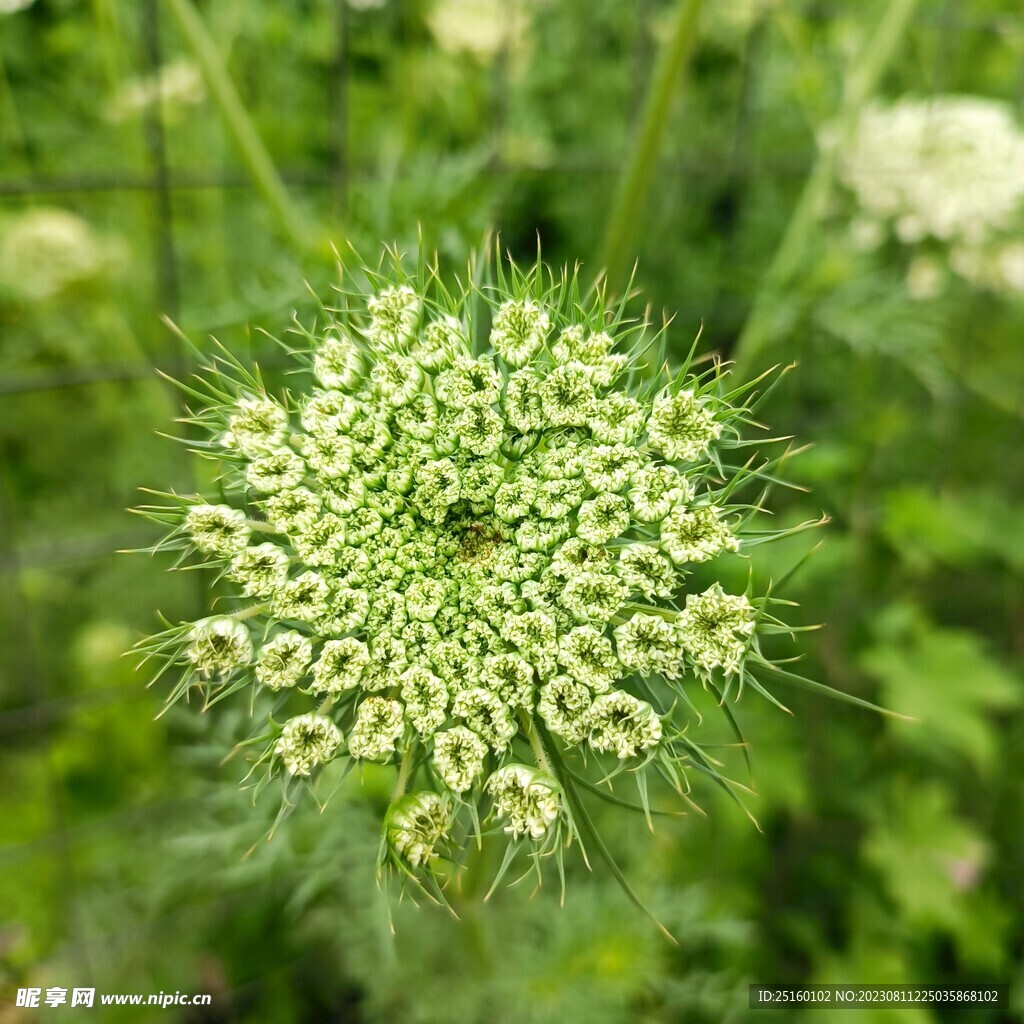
(194, 159)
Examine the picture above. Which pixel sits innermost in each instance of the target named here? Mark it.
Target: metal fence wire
(371, 118)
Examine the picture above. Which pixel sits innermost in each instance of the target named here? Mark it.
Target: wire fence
(339, 169)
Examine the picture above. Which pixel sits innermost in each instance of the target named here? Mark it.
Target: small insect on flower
(463, 545)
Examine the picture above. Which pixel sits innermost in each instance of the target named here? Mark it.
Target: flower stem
(535, 743)
(626, 215)
(861, 82)
(260, 527)
(248, 613)
(253, 152)
(404, 771)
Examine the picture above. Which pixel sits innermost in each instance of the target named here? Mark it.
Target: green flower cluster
(465, 542)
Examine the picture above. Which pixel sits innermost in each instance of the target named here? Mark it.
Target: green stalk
(250, 612)
(624, 220)
(861, 82)
(404, 770)
(535, 743)
(250, 146)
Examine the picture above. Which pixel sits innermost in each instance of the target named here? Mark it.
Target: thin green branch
(861, 82)
(404, 771)
(251, 148)
(536, 745)
(624, 220)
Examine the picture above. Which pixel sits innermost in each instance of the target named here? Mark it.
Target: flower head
(528, 798)
(520, 327)
(622, 723)
(258, 425)
(284, 660)
(307, 741)
(379, 724)
(218, 645)
(217, 529)
(681, 426)
(465, 537)
(459, 757)
(715, 628)
(415, 823)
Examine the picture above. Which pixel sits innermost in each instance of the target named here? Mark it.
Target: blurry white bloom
(941, 167)
(926, 278)
(866, 233)
(942, 170)
(480, 27)
(45, 250)
(1010, 260)
(999, 267)
(177, 84)
(13, 6)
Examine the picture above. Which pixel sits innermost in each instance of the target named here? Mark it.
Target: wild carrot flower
(936, 173)
(466, 544)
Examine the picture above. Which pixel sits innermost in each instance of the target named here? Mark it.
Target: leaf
(933, 863)
(946, 678)
(952, 529)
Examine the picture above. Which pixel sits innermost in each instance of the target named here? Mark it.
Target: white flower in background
(177, 84)
(13, 6)
(480, 27)
(944, 170)
(46, 250)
